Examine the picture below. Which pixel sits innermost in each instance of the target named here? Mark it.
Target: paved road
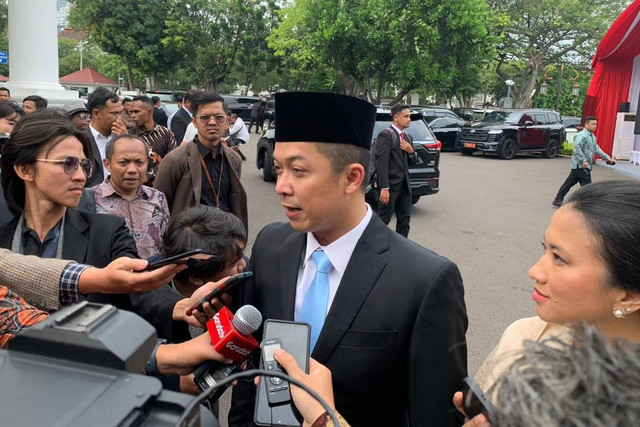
(489, 218)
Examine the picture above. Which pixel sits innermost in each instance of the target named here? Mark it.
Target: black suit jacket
(390, 162)
(89, 238)
(394, 338)
(179, 124)
(98, 171)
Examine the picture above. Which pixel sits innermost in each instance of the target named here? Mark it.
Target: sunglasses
(84, 116)
(204, 118)
(70, 165)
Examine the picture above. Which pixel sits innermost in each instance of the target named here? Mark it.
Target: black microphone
(238, 338)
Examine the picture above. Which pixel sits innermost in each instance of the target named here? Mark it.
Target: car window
(438, 123)
(430, 118)
(450, 115)
(540, 118)
(502, 117)
(247, 101)
(527, 118)
(418, 129)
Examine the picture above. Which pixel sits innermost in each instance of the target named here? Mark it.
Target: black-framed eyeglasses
(70, 165)
(204, 118)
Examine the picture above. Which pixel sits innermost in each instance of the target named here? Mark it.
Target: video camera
(83, 366)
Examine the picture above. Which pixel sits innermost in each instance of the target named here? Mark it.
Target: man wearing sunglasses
(78, 113)
(204, 171)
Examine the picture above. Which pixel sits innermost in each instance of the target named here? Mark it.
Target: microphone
(231, 337)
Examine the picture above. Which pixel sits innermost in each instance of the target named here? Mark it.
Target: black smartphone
(182, 258)
(474, 400)
(227, 286)
(294, 338)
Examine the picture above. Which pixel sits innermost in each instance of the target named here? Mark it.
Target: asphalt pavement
(489, 218)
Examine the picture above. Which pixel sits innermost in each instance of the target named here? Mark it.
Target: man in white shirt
(106, 123)
(238, 134)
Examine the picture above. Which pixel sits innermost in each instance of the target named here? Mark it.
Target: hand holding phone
(277, 389)
(227, 286)
(182, 258)
(474, 400)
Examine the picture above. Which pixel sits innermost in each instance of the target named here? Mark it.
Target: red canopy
(613, 65)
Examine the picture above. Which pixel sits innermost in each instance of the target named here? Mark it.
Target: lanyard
(53, 248)
(216, 194)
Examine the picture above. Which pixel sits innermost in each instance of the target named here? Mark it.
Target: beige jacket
(511, 345)
(35, 279)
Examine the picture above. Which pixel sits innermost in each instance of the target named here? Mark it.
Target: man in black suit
(106, 124)
(389, 318)
(182, 118)
(393, 154)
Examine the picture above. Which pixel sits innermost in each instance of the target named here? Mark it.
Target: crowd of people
(92, 191)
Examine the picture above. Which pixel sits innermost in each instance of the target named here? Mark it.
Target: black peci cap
(324, 117)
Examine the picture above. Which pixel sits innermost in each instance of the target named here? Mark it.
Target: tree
(375, 44)
(538, 33)
(131, 30)
(208, 35)
(569, 104)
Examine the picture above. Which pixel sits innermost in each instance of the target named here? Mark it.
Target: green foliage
(569, 105)
(538, 33)
(566, 148)
(373, 44)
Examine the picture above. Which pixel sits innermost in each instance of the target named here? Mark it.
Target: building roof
(3, 78)
(88, 76)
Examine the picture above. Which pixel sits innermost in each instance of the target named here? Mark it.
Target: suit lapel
(76, 230)
(195, 172)
(290, 256)
(361, 275)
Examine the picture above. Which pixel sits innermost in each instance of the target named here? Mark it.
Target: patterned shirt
(15, 315)
(146, 214)
(160, 139)
(584, 148)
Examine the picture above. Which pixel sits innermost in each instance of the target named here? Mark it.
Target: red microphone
(231, 337)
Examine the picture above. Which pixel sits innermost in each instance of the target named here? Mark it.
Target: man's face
(105, 116)
(211, 130)
(591, 126)
(128, 166)
(126, 106)
(29, 106)
(4, 94)
(314, 198)
(81, 120)
(140, 112)
(402, 120)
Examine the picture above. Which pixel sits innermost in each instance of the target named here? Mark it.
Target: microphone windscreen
(247, 320)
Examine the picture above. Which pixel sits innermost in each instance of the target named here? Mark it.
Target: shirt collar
(397, 129)
(339, 252)
(204, 151)
(97, 135)
(106, 189)
(187, 110)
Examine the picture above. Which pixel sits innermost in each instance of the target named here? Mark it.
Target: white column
(33, 51)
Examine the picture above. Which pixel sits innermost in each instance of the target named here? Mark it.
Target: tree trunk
(129, 76)
(399, 96)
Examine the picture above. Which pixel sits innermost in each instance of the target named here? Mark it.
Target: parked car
(241, 105)
(571, 122)
(269, 113)
(507, 132)
(431, 113)
(424, 176)
(446, 131)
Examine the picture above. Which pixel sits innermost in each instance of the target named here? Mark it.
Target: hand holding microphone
(231, 337)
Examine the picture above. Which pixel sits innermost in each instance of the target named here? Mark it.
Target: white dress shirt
(101, 142)
(240, 130)
(338, 252)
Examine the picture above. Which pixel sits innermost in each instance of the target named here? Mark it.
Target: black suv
(269, 113)
(241, 105)
(424, 176)
(507, 132)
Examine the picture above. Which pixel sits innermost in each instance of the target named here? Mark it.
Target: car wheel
(508, 149)
(551, 149)
(267, 167)
(467, 151)
(414, 199)
(265, 124)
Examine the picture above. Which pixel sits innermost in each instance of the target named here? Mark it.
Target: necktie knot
(322, 262)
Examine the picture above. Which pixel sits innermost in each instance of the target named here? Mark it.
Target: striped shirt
(160, 139)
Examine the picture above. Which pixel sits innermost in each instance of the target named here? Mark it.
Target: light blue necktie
(314, 306)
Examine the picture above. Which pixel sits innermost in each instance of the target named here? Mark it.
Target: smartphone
(474, 400)
(182, 258)
(293, 337)
(278, 388)
(227, 286)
